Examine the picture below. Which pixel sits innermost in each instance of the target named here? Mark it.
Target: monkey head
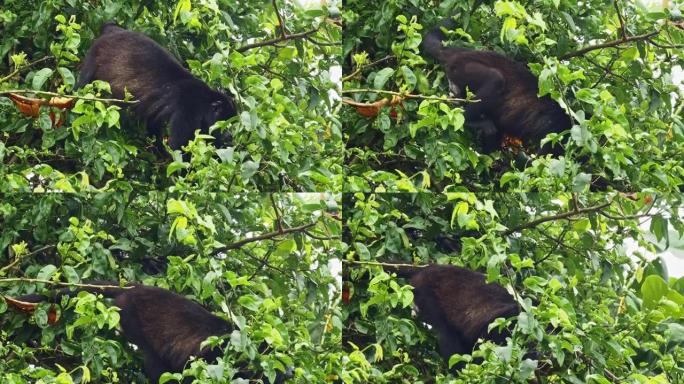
(222, 107)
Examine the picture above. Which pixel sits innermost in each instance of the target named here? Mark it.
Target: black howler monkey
(166, 91)
(507, 91)
(167, 327)
(459, 305)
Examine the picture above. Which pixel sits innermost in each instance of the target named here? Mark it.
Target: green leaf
(581, 182)
(67, 76)
(287, 53)
(40, 77)
(381, 77)
(46, 272)
(652, 290)
(249, 169)
(176, 166)
(659, 226)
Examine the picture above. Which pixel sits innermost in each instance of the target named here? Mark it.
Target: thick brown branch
(277, 40)
(265, 236)
(608, 44)
(559, 216)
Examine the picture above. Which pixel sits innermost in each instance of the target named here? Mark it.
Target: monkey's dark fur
(507, 91)
(168, 93)
(167, 327)
(458, 304)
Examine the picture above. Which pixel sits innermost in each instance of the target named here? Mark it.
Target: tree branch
(279, 220)
(18, 258)
(277, 40)
(265, 236)
(559, 216)
(608, 44)
(29, 65)
(379, 264)
(283, 31)
(45, 93)
(406, 95)
(361, 68)
(622, 21)
(59, 283)
(322, 238)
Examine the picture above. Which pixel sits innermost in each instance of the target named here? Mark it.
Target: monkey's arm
(490, 136)
(183, 126)
(486, 83)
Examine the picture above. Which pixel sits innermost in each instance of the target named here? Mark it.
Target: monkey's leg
(489, 134)
(154, 129)
(450, 343)
(154, 367)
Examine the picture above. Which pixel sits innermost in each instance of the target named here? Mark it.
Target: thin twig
(279, 220)
(557, 244)
(379, 264)
(265, 236)
(277, 40)
(19, 257)
(266, 263)
(281, 23)
(311, 235)
(262, 262)
(608, 44)
(59, 283)
(361, 68)
(29, 65)
(45, 93)
(560, 216)
(666, 46)
(407, 95)
(622, 21)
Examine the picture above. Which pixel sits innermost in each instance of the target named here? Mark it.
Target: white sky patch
(673, 256)
(335, 267)
(335, 77)
(310, 4)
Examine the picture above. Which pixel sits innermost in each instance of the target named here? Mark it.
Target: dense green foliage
(90, 200)
(285, 136)
(594, 311)
(627, 132)
(256, 231)
(279, 290)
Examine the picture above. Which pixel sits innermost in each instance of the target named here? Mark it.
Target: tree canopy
(285, 137)
(349, 156)
(239, 230)
(616, 68)
(591, 310)
(262, 260)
